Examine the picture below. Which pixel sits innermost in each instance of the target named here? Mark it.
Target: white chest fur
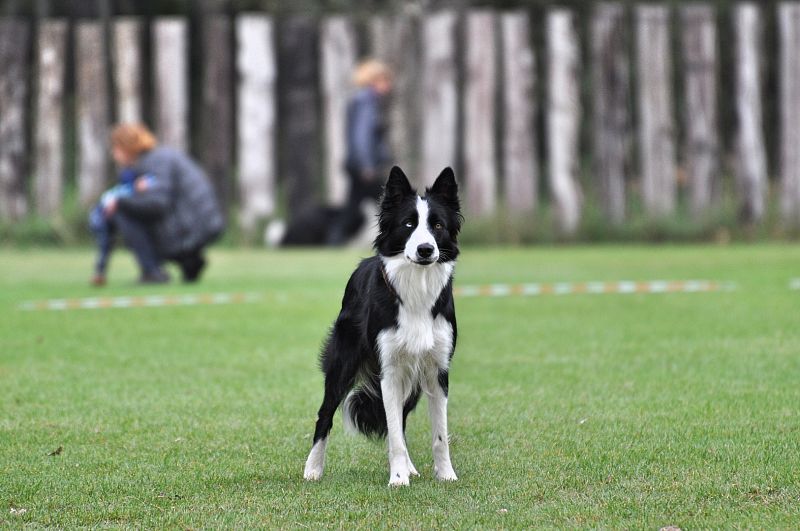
(420, 344)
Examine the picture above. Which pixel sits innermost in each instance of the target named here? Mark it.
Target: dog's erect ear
(445, 188)
(397, 186)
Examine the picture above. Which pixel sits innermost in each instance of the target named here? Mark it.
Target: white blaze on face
(421, 235)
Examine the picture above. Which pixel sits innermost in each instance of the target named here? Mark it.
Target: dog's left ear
(445, 189)
(397, 186)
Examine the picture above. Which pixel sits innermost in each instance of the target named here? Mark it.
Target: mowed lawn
(637, 411)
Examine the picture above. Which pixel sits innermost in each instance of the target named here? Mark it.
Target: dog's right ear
(397, 186)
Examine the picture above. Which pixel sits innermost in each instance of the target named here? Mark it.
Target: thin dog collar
(385, 276)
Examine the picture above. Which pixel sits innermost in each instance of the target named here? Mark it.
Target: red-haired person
(172, 214)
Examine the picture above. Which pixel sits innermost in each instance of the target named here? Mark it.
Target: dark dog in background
(318, 225)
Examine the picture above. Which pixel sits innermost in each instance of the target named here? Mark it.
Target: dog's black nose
(425, 250)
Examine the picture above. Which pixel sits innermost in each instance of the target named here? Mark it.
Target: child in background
(99, 221)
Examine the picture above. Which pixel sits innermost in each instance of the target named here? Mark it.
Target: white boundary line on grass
(140, 301)
(624, 287)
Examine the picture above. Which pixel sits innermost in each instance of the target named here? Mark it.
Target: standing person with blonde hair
(368, 154)
(173, 214)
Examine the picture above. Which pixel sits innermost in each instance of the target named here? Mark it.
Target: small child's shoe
(98, 281)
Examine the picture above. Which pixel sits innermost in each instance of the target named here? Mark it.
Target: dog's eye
(438, 226)
(409, 224)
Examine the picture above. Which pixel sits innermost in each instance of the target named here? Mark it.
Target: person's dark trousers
(138, 239)
(103, 230)
(351, 218)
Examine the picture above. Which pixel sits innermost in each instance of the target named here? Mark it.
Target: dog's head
(422, 228)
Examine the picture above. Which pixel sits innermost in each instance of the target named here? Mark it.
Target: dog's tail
(363, 409)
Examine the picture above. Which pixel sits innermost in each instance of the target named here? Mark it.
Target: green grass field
(636, 411)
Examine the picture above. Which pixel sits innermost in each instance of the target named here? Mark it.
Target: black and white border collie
(395, 335)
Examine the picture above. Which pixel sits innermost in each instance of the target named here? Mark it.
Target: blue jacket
(367, 146)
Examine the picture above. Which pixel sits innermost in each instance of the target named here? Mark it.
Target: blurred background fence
(603, 114)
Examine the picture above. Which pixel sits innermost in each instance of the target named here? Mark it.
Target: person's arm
(154, 200)
(365, 119)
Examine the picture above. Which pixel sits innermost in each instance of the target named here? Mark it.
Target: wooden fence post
(379, 33)
(216, 118)
(15, 36)
(257, 71)
(751, 169)
(396, 41)
(298, 46)
(611, 122)
(338, 54)
(93, 112)
(128, 69)
(480, 171)
(439, 93)
(563, 119)
(701, 147)
(171, 81)
(480, 157)
(656, 121)
(520, 158)
(49, 137)
(789, 21)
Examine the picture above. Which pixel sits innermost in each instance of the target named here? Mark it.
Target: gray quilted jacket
(180, 206)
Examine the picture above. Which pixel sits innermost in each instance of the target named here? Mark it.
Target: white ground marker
(140, 301)
(624, 287)
(794, 284)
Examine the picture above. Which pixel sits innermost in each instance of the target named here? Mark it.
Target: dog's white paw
(399, 470)
(445, 473)
(315, 463)
(312, 473)
(399, 479)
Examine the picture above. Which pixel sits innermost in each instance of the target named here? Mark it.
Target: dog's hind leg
(334, 392)
(339, 378)
(437, 407)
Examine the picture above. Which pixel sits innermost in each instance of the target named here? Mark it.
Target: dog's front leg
(393, 397)
(437, 407)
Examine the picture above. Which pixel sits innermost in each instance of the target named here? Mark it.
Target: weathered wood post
(751, 168)
(396, 41)
(338, 54)
(439, 93)
(128, 69)
(49, 136)
(520, 157)
(380, 32)
(480, 157)
(298, 46)
(563, 119)
(15, 38)
(701, 144)
(216, 119)
(656, 121)
(611, 121)
(789, 22)
(92, 112)
(171, 81)
(257, 72)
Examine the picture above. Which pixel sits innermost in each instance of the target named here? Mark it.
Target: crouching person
(172, 215)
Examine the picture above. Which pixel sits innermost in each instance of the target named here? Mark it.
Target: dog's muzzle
(426, 254)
